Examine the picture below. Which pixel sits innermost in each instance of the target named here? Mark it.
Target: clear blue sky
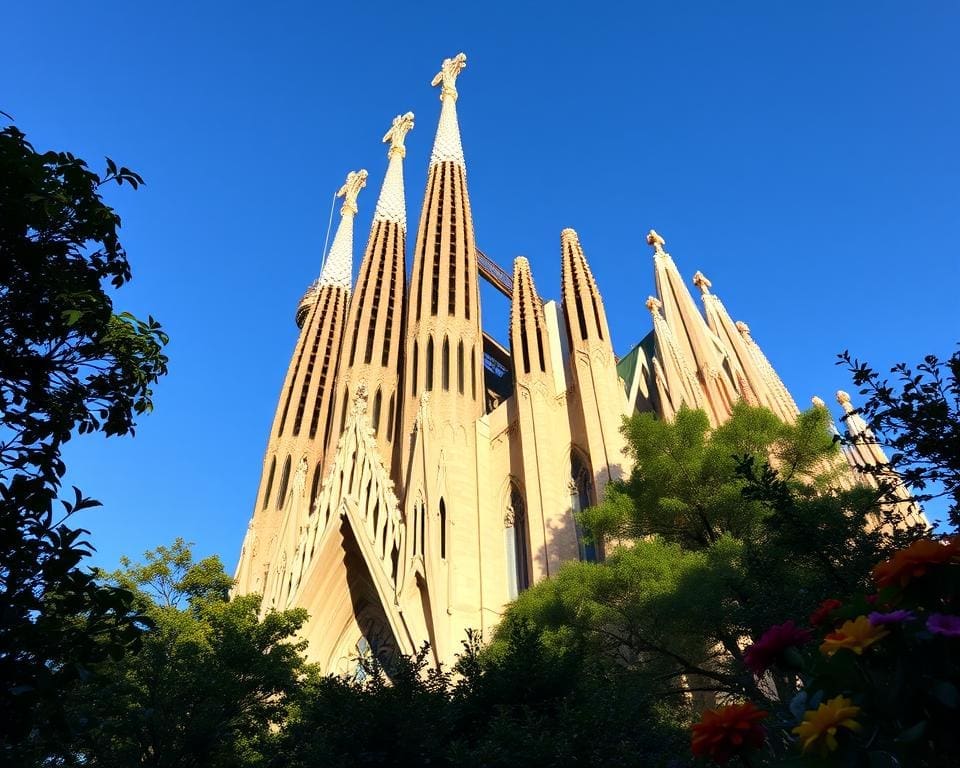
(803, 155)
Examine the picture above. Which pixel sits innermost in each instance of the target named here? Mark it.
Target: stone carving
(360, 398)
(700, 280)
(510, 516)
(446, 78)
(844, 399)
(402, 125)
(654, 305)
(818, 402)
(656, 241)
(356, 180)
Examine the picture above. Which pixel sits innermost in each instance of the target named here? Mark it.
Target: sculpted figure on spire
(700, 280)
(446, 78)
(356, 180)
(656, 241)
(402, 125)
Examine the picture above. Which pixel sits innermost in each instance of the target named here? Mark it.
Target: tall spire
(528, 327)
(444, 352)
(374, 333)
(338, 268)
(681, 383)
(774, 383)
(582, 306)
(298, 437)
(753, 381)
(697, 343)
(446, 145)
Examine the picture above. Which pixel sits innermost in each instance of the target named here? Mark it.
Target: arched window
(284, 479)
(516, 541)
(445, 365)
(429, 364)
(473, 372)
(460, 367)
(443, 530)
(390, 419)
(375, 415)
(315, 486)
(269, 489)
(413, 376)
(581, 497)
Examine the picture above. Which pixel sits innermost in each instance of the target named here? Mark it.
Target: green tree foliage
(714, 547)
(522, 704)
(917, 418)
(69, 363)
(209, 682)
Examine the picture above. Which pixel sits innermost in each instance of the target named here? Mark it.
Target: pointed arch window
(445, 365)
(315, 486)
(284, 480)
(269, 489)
(581, 497)
(516, 541)
(429, 364)
(460, 367)
(473, 372)
(390, 418)
(375, 414)
(443, 530)
(413, 369)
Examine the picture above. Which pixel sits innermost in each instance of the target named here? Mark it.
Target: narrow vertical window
(460, 367)
(473, 372)
(443, 530)
(269, 489)
(516, 542)
(343, 415)
(445, 365)
(284, 479)
(423, 530)
(315, 486)
(413, 376)
(390, 419)
(429, 364)
(375, 415)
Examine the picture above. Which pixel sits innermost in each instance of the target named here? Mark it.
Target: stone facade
(417, 474)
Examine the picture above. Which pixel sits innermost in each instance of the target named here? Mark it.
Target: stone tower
(441, 474)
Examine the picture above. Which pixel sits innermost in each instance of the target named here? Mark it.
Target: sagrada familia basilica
(418, 474)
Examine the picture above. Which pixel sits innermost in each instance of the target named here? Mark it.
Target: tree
(918, 420)
(69, 363)
(707, 560)
(210, 681)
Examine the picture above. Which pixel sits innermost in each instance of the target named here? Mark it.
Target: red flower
(759, 656)
(722, 733)
(823, 611)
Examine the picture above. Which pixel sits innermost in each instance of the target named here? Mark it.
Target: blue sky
(803, 155)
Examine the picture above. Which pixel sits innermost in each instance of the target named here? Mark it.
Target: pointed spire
(682, 385)
(753, 380)
(528, 325)
(775, 385)
(582, 305)
(446, 145)
(391, 205)
(338, 267)
(699, 345)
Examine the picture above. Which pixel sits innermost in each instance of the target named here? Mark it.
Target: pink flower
(763, 653)
(944, 624)
(894, 617)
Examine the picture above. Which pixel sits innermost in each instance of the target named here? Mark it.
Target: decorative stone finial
(700, 280)
(743, 328)
(446, 78)
(654, 305)
(818, 402)
(656, 241)
(844, 399)
(356, 180)
(402, 125)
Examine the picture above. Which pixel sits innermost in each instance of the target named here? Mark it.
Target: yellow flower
(818, 731)
(856, 635)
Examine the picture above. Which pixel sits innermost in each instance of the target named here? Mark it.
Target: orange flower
(912, 563)
(854, 635)
(818, 731)
(722, 733)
